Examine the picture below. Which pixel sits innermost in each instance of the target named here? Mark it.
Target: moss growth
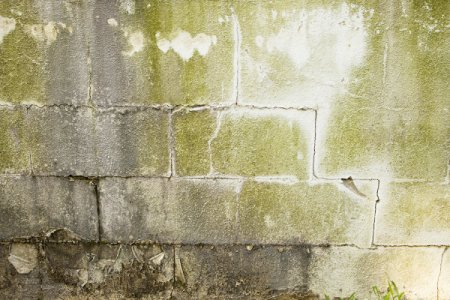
(260, 146)
(395, 122)
(192, 133)
(415, 213)
(301, 213)
(21, 57)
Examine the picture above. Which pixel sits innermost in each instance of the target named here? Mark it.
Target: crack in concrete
(95, 183)
(375, 213)
(440, 273)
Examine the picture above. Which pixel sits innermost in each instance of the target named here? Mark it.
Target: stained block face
(263, 143)
(43, 52)
(300, 53)
(13, 148)
(148, 52)
(163, 210)
(132, 142)
(413, 214)
(384, 127)
(193, 133)
(325, 213)
(236, 271)
(61, 141)
(33, 206)
(346, 270)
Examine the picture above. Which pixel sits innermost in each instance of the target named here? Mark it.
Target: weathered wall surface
(224, 149)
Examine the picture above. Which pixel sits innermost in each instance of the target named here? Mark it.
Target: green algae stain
(260, 146)
(401, 106)
(153, 151)
(21, 57)
(13, 150)
(299, 213)
(192, 133)
(169, 78)
(415, 213)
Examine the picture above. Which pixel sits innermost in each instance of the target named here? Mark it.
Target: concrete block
(413, 214)
(263, 143)
(176, 210)
(239, 271)
(14, 157)
(193, 131)
(61, 141)
(307, 213)
(33, 206)
(44, 52)
(341, 271)
(132, 142)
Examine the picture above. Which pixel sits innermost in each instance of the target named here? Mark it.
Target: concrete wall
(220, 149)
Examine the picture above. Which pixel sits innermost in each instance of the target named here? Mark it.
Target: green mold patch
(193, 131)
(185, 73)
(414, 213)
(322, 213)
(13, 149)
(21, 57)
(396, 114)
(253, 144)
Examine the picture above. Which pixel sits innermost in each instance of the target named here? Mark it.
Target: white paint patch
(185, 45)
(113, 22)
(7, 25)
(129, 6)
(136, 42)
(47, 33)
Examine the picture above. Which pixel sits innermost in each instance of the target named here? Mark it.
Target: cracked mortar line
(213, 137)
(237, 46)
(162, 107)
(440, 273)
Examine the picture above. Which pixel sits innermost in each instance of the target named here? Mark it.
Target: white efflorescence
(307, 30)
(7, 25)
(136, 42)
(46, 33)
(185, 45)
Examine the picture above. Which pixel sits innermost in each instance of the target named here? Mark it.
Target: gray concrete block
(240, 271)
(132, 142)
(176, 210)
(32, 206)
(61, 141)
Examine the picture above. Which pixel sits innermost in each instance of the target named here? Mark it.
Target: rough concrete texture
(161, 210)
(224, 149)
(153, 52)
(413, 214)
(44, 52)
(305, 213)
(37, 206)
(345, 270)
(444, 276)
